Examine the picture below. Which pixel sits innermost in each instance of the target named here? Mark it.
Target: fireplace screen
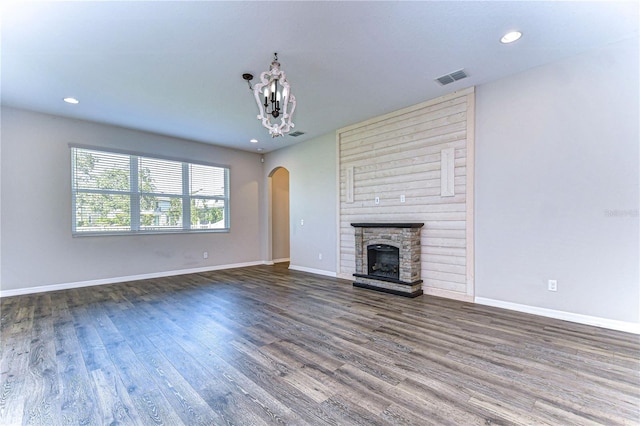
(384, 261)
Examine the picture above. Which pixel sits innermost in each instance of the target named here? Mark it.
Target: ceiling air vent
(451, 77)
(296, 133)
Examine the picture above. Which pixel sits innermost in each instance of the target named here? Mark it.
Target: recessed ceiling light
(71, 101)
(510, 37)
(260, 149)
(254, 141)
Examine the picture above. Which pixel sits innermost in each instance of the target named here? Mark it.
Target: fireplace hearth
(388, 257)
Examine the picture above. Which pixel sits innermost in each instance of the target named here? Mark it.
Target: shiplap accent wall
(400, 154)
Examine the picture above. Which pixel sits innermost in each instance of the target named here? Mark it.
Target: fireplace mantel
(405, 277)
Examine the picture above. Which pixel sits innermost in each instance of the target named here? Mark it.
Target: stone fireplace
(388, 257)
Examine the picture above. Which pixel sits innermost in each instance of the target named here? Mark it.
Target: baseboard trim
(115, 280)
(625, 326)
(629, 327)
(447, 294)
(284, 259)
(313, 271)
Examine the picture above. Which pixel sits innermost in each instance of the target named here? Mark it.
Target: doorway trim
(279, 219)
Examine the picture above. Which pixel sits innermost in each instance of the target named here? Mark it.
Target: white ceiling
(175, 68)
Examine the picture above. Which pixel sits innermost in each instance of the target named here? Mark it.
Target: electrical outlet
(301, 222)
(319, 256)
(552, 285)
(402, 198)
(205, 254)
(377, 200)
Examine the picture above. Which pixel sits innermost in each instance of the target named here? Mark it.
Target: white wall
(312, 198)
(399, 154)
(37, 246)
(557, 186)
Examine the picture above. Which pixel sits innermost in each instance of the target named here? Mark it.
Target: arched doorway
(279, 178)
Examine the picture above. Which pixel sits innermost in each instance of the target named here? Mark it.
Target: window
(117, 193)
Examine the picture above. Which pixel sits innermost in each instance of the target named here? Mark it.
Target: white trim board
(629, 327)
(452, 295)
(284, 259)
(115, 280)
(313, 271)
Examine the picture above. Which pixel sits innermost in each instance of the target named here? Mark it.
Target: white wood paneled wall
(399, 154)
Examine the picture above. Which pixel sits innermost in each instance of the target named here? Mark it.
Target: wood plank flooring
(265, 345)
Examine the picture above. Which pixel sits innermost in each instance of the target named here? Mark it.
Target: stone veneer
(404, 236)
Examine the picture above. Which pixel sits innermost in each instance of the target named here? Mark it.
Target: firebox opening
(384, 260)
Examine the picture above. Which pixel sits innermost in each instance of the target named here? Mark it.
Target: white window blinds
(115, 193)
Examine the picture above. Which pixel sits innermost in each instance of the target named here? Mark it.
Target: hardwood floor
(265, 345)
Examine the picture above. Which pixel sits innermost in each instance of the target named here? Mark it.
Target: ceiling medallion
(274, 98)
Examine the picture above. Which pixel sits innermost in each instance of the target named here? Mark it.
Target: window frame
(135, 195)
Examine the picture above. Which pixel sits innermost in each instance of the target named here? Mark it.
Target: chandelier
(274, 98)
